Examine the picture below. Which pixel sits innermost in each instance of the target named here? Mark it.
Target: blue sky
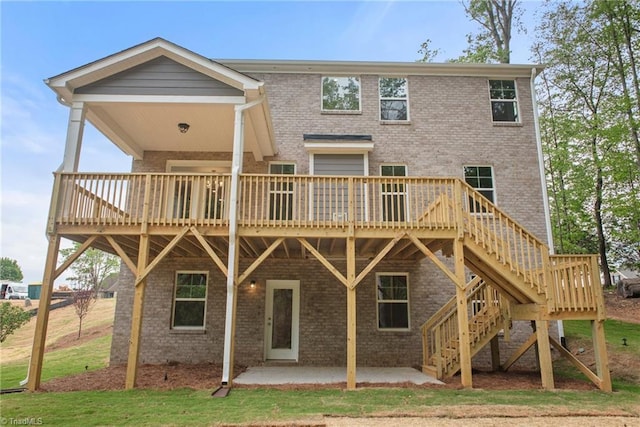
(43, 39)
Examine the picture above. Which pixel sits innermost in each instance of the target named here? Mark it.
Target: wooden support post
(136, 316)
(544, 354)
(40, 335)
(351, 313)
(463, 316)
(600, 353)
(495, 353)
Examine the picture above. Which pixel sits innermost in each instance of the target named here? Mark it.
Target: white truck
(14, 291)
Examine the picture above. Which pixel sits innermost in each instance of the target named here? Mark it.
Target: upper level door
(330, 198)
(200, 196)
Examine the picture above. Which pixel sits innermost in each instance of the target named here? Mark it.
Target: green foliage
(428, 54)
(497, 19)
(589, 99)
(12, 318)
(10, 270)
(91, 268)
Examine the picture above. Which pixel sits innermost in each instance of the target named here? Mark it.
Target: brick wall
(450, 126)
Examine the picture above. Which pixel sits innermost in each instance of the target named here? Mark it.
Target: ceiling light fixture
(183, 127)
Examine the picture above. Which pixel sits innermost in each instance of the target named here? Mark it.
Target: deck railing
(577, 284)
(440, 334)
(336, 201)
(502, 237)
(328, 202)
(264, 200)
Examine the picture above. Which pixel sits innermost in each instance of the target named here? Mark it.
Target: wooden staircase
(440, 337)
(515, 278)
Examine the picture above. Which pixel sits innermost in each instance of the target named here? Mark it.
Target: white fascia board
(338, 147)
(377, 68)
(64, 83)
(161, 99)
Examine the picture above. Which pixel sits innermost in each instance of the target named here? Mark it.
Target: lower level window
(393, 300)
(190, 299)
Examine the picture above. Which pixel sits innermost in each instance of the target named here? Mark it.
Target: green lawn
(181, 407)
(93, 355)
(242, 406)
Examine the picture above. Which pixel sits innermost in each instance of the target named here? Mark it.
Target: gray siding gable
(160, 76)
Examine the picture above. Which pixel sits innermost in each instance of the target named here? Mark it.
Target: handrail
(577, 283)
(503, 237)
(440, 332)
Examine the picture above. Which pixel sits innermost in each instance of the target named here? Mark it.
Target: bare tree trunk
(597, 207)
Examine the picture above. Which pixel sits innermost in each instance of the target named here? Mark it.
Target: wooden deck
(306, 214)
(144, 217)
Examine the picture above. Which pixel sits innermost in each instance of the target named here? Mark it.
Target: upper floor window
(393, 98)
(504, 100)
(340, 94)
(190, 299)
(480, 178)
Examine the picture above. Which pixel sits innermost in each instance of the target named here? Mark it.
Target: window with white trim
(392, 298)
(394, 105)
(394, 196)
(481, 179)
(281, 191)
(504, 101)
(341, 94)
(190, 300)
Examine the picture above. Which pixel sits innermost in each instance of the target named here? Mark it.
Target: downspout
(236, 170)
(543, 182)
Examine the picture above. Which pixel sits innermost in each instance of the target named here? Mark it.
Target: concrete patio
(278, 375)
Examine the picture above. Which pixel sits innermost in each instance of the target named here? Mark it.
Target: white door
(282, 314)
(197, 198)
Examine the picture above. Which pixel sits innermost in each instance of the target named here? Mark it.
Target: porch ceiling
(138, 127)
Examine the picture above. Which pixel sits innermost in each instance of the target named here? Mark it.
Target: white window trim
(408, 302)
(285, 191)
(358, 111)
(173, 305)
(517, 101)
(406, 98)
(407, 216)
(198, 164)
(283, 162)
(493, 182)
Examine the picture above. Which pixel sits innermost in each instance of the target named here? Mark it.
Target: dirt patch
(624, 309)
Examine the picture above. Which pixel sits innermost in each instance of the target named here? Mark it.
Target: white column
(232, 267)
(75, 131)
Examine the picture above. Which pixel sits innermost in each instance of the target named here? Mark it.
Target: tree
(589, 129)
(83, 299)
(428, 54)
(492, 43)
(12, 318)
(90, 268)
(10, 270)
